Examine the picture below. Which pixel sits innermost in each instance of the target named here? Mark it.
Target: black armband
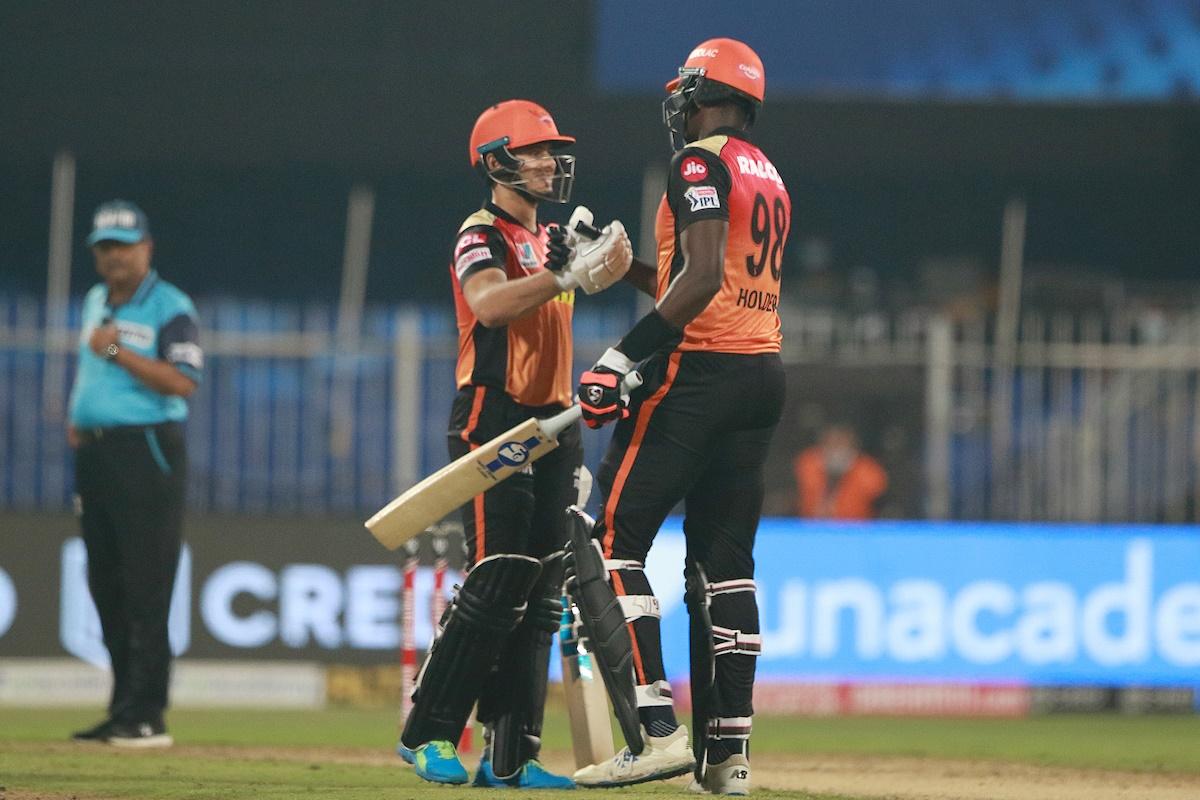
(649, 334)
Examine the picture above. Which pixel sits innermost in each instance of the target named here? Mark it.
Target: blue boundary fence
(284, 422)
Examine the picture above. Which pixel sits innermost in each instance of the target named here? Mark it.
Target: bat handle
(590, 231)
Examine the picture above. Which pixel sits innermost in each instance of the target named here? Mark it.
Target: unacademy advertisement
(1036, 604)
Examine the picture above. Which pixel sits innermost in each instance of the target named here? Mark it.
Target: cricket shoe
(405, 753)
(664, 757)
(96, 733)
(139, 735)
(438, 762)
(730, 777)
(532, 775)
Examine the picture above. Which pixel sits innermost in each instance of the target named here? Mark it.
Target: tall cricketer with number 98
(514, 286)
(699, 428)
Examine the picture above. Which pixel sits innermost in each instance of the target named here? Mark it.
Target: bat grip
(590, 231)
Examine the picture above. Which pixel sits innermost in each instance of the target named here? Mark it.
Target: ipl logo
(513, 454)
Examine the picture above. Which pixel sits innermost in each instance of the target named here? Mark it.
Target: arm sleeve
(698, 186)
(478, 247)
(179, 345)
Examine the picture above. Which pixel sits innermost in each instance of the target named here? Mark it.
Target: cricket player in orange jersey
(514, 292)
(699, 428)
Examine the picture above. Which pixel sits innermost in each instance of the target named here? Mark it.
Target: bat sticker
(512, 454)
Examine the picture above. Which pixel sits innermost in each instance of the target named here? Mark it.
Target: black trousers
(525, 515)
(131, 485)
(698, 431)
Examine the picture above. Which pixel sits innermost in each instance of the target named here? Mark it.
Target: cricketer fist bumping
(585, 257)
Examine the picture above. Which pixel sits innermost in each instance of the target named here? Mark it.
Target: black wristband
(649, 334)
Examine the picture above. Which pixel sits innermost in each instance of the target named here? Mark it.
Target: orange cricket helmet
(513, 124)
(716, 70)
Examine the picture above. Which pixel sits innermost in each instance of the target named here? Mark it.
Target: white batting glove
(564, 247)
(600, 263)
(582, 215)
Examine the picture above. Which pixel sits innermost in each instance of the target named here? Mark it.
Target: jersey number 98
(768, 228)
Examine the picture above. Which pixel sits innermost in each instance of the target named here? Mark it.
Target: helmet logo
(594, 393)
(693, 169)
(545, 119)
(704, 52)
(750, 72)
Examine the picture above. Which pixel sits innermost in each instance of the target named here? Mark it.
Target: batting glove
(604, 261)
(560, 252)
(582, 256)
(601, 395)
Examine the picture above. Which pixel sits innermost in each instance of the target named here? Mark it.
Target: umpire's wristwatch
(111, 352)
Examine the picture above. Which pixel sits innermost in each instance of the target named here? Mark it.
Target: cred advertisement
(312, 590)
(880, 603)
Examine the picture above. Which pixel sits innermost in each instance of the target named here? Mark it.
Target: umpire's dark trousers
(131, 483)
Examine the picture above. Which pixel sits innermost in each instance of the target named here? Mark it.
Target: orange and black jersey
(529, 358)
(725, 176)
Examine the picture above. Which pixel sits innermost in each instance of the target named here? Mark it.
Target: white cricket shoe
(664, 757)
(730, 777)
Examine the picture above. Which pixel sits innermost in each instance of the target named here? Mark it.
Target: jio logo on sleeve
(693, 169)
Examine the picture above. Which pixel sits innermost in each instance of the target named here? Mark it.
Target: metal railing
(1086, 418)
(1090, 419)
(283, 421)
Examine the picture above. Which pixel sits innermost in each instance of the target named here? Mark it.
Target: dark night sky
(240, 127)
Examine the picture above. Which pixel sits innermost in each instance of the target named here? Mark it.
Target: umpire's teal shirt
(158, 322)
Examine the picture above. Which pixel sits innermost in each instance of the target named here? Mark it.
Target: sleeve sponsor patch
(468, 241)
(471, 256)
(693, 170)
(187, 353)
(702, 197)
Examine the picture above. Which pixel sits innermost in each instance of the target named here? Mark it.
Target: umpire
(138, 362)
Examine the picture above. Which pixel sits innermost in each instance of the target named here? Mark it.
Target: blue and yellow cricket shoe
(485, 776)
(438, 762)
(533, 775)
(405, 753)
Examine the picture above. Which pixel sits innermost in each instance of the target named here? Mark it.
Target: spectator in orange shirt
(836, 480)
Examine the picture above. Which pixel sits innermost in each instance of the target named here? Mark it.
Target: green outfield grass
(36, 760)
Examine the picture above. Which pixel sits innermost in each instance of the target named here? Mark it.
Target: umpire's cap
(119, 221)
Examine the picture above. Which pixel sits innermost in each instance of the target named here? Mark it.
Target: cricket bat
(587, 702)
(456, 483)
